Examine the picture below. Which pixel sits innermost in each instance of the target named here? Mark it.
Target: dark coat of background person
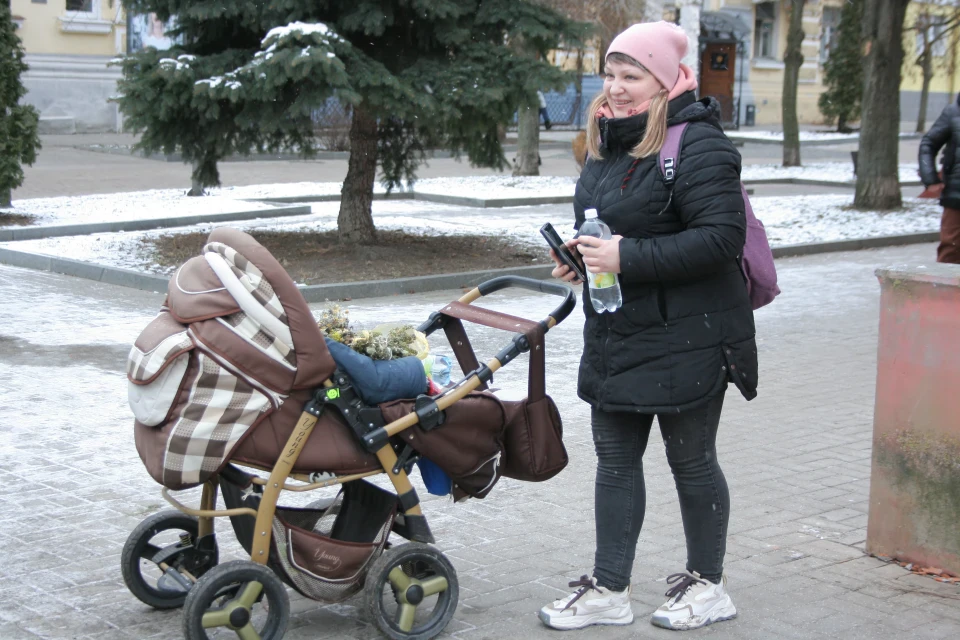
(945, 133)
(686, 325)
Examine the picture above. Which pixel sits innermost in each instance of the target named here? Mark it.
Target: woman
(945, 133)
(684, 330)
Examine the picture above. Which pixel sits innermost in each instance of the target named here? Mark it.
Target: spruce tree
(19, 141)
(844, 70)
(415, 74)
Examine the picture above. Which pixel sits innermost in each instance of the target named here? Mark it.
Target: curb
(54, 231)
(286, 156)
(795, 250)
(813, 143)
(88, 270)
(820, 183)
(484, 203)
(480, 203)
(329, 197)
(416, 284)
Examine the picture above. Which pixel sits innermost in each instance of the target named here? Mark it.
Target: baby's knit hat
(658, 46)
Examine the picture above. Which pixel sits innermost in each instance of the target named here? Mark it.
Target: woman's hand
(600, 256)
(562, 271)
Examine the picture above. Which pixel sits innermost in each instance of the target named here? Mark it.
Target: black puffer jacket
(686, 325)
(945, 132)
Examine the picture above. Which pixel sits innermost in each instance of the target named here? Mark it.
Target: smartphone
(566, 257)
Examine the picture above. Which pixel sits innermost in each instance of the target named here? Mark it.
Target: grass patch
(319, 258)
(16, 219)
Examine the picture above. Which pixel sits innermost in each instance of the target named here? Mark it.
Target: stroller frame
(408, 590)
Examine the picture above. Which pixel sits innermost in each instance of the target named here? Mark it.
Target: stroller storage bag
(533, 436)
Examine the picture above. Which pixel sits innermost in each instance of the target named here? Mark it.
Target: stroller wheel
(168, 537)
(411, 592)
(238, 599)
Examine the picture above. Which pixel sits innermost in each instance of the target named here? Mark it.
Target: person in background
(944, 134)
(543, 110)
(684, 331)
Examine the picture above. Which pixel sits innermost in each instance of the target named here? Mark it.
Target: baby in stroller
(235, 389)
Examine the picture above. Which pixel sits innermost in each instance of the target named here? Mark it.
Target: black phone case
(556, 243)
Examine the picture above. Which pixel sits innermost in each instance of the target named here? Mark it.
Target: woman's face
(627, 86)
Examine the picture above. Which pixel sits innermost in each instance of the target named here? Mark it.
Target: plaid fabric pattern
(254, 333)
(220, 409)
(251, 278)
(143, 366)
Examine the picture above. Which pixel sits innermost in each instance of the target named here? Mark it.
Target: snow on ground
(804, 219)
(468, 187)
(805, 136)
(498, 186)
(164, 203)
(788, 220)
(830, 171)
(134, 205)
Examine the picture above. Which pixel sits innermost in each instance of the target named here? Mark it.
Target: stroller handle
(557, 316)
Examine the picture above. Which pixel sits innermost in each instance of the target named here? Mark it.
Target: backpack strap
(669, 157)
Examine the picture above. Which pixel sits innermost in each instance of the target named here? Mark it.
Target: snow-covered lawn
(804, 219)
(133, 205)
(830, 171)
(789, 220)
(805, 136)
(165, 203)
(467, 187)
(498, 186)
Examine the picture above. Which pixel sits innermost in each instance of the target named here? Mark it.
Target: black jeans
(690, 438)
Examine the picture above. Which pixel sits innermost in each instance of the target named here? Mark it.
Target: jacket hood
(627, 132)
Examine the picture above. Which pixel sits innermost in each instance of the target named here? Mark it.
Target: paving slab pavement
(797, 460)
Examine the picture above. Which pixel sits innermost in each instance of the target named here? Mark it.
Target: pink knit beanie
(658, 46)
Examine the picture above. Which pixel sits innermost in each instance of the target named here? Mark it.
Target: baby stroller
(233, 377)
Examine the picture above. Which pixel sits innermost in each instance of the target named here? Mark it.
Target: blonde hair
(653, 137)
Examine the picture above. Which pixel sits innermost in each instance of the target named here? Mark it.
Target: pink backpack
(756, 261)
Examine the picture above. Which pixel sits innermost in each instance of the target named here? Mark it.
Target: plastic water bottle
(604, 287)
(438, 369)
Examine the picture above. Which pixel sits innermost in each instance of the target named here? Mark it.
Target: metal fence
(566, 110)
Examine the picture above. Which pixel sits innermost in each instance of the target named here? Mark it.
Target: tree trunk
(5, 201)
(653, 10)
(196, 187)
(842, 124)
(528, 141)
(690, 23)
(355, 222)
(878, 180)
(793, 59)
(926, 64)
(204, 174)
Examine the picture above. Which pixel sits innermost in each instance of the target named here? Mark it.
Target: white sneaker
(588, 605)
(694, 603)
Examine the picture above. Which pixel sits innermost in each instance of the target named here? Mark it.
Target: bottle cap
(589, 213)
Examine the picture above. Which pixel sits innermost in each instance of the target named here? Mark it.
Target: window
(764, 31)
(86, 6)
(830, 23)
(83, 16)
(935, 35)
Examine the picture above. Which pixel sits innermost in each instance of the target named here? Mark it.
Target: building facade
(765, 43)
(742, 45)
(68, 45)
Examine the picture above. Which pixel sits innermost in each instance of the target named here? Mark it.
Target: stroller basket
(322, 552)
